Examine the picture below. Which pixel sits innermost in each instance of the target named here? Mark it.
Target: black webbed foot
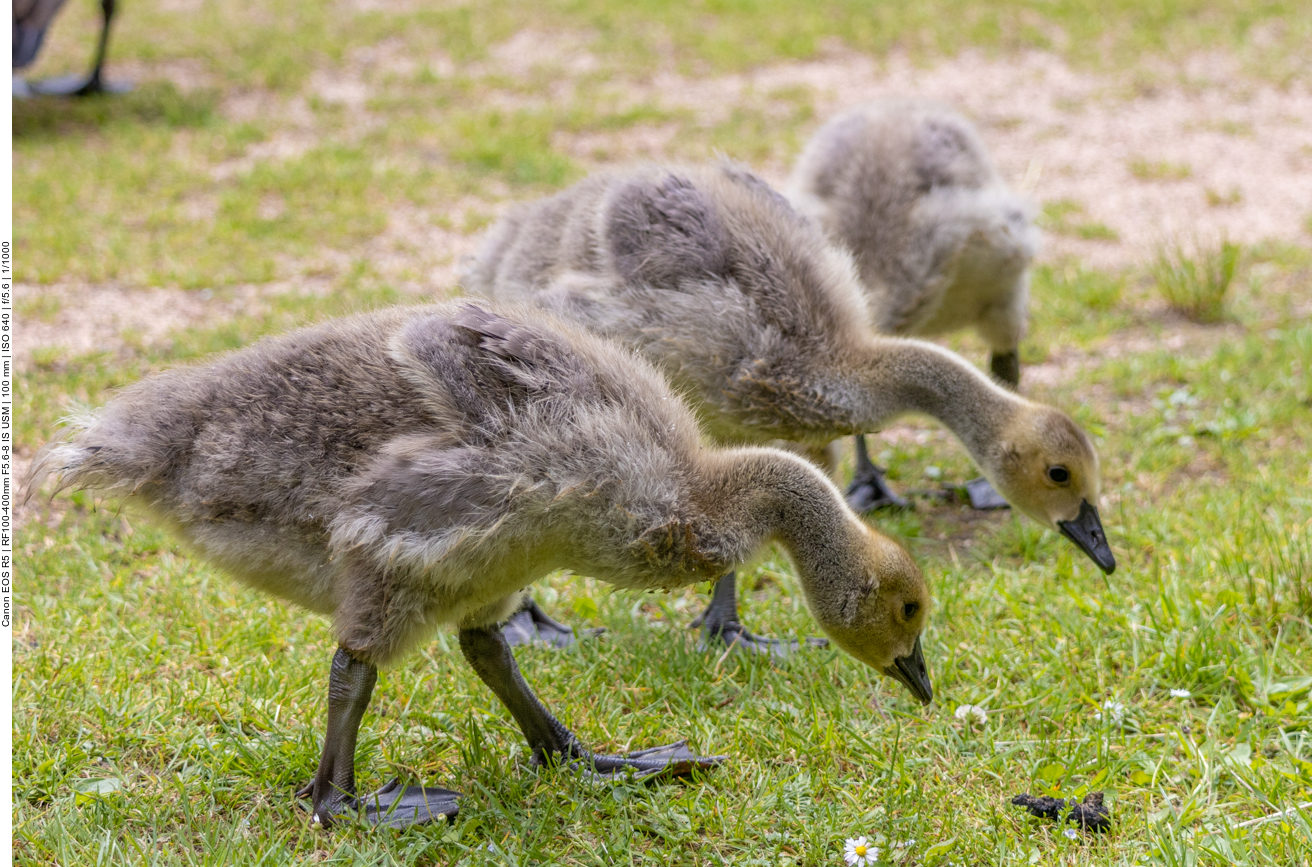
(397, 806)
(553, 744)
(720, 625)
(735, 637)
(531, 625)
(68, 85)
(983, 496)
(393, 806)
(868, 490)
(654, 763)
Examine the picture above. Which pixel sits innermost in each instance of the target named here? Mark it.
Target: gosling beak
(910, 672)
(1086, 532)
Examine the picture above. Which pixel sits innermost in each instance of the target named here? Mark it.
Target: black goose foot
(393, 806)
(68, 85)
(531, 625)
(983, 496)
(869, 492)
(735, 637)
(720, 624)
(655, 763)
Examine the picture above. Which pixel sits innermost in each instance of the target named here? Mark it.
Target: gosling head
(879, 612)
(1047, 468)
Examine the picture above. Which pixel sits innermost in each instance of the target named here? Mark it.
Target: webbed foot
(983, 496)
(720, 623)
(69, 85)
(653, 763)
(531, 625)
(868, 490)
(735, 637)
(394, 806)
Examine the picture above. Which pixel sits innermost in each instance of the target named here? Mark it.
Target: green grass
(1196, 283)
(1223, 200)
(1159, 170)
(1067, 217)
(164, 715)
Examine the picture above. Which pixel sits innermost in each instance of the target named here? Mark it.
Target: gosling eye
(909, 610)
(1059, 475)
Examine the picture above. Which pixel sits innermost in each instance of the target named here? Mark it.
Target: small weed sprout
(1159, 170)
(1217, 199)
(1197, 285)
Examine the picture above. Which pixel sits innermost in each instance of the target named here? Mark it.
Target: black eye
(909, 610)
(1059, 474)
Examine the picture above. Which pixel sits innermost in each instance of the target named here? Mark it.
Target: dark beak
(1086, 532)
(910, 672)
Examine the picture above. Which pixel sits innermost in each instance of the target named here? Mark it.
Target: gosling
(940, 242)
(762, 324)
(413, 468)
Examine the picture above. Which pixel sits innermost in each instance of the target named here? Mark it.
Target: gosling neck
(761, 494)
(897, 376)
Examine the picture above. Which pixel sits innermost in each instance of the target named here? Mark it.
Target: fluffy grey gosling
(762, 324)
(414, 468)
(940, 242)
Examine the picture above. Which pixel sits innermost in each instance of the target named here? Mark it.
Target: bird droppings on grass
(1090, 814)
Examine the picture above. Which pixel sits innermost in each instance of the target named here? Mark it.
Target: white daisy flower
(860, 852)
(1112, 710)
(972, 713)
(1181, 693)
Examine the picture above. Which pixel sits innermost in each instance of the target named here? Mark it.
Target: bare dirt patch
(1056, 132)
(1063, 134)
(108, 317)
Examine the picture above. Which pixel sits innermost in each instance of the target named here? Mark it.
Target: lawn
(280, 163)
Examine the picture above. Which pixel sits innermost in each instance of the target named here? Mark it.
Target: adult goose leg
(868, 490)
(490, 656)
(332, 791)
(76, 85)
(720, 622)
(531, 625)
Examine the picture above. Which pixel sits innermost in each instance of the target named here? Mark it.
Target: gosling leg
(868, 490)
(531, 625)
(332, 791)
(1006, 367)
(489, 654)
(982, 495)
(719, 622)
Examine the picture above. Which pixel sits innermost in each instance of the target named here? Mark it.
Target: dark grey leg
(868, 490)
(980, 492)
(719, 622)
(487, 652)
(332, 791)
(531, 625)
(75, 85)
(1006, 367)
(94, 82)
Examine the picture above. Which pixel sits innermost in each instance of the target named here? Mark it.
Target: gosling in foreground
(414, 468)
